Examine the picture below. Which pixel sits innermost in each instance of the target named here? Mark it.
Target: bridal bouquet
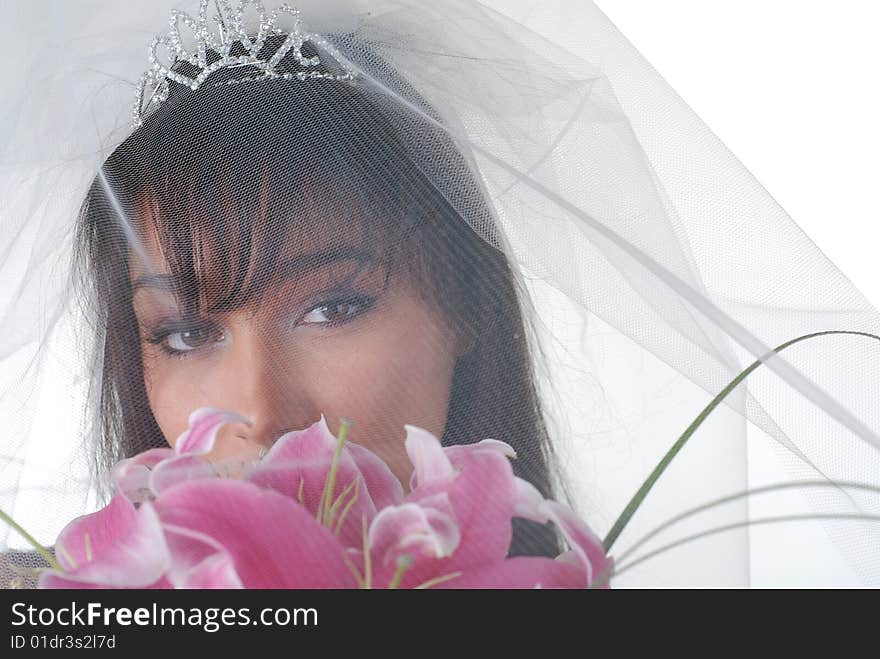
(317, 512)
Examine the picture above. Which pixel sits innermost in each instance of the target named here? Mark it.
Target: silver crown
(228, 29)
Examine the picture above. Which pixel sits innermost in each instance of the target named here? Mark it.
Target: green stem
(45, 553)
(741, 495)
(737, 525)
(330, 485)
(646, 487)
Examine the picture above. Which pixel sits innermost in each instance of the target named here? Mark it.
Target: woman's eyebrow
(297, 265)
(164, 282)
(313, 260)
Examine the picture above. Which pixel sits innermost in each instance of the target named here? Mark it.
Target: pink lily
(145, 475)
(268, 540)
(479, 495)
(319, 513)
(298, 465)
(117, 547)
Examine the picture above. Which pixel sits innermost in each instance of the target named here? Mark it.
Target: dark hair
(277, 150)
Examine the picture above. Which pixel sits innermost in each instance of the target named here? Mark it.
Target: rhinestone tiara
(228, 29)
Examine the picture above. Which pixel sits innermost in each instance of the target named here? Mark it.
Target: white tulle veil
(652, 267)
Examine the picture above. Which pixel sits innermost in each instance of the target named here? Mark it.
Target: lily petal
(414, 529)
(530, 502)
(429, 460)
(132, 475)
(217, 571)
(189, 551)
(482, 497)
(118, 546)
(454, 453)
(204, 424)
(584, 543)
(272, 541)
(179, 469)
(298, 464)
(481, 486)
(382, 484)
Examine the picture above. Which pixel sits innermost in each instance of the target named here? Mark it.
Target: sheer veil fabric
(545, 246)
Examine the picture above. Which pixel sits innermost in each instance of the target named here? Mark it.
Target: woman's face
(318, 342)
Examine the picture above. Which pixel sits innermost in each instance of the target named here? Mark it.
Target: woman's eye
(191, 339)
(335, 312)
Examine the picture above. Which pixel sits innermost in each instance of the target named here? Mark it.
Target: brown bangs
(225, 245)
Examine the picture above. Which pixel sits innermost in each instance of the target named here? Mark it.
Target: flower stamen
(437, 580)
(331, 515)
(330, 484)
(357, 577)
(300, 496)
(404, 563)
(347, 508)
(368, 565)
(67, 555)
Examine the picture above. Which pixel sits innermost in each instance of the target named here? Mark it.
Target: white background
(790, 86)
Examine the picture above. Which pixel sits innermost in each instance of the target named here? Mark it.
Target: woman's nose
(260, 383)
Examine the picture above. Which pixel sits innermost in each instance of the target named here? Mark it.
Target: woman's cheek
(381, 378)
(177, 387)
(397, 368)
(176, 398)
(170, 394)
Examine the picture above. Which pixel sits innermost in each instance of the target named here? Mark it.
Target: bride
(418, 213)
(296, 262)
